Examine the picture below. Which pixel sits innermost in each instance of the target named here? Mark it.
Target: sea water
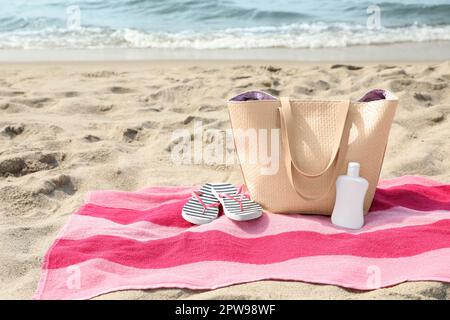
(219, 24)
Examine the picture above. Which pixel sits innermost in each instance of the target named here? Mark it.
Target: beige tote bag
(291, 151)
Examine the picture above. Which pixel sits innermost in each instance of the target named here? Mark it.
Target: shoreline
(400, 52)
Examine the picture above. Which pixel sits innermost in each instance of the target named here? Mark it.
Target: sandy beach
(67, 128)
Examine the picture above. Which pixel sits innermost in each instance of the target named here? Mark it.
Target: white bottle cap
(353, 169)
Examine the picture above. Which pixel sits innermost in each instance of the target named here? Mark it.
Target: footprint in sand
(91, 138)
(273, 68)
(12, 131)
(178, 110)
(11, 93)
(22, 165)
(423, 97)
(270, 84)
(61, 182)
(424, 86)
(12, 166)
(71, 94)
(303, 90)
(37, 102)
(119, 90)
(320, 85)
(4, 105)
(435, 117)
(240, 77)
(105, 107)
(244, 85)
(346, 66)
(130, 134)
(190, 119)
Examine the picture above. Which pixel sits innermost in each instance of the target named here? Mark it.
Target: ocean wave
(306, 35)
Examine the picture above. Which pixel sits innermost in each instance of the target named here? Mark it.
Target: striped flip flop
(236, 205)
(202, 207)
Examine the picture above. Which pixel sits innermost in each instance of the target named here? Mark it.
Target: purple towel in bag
(373, 95)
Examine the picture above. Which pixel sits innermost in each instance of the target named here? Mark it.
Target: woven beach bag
(309, 143)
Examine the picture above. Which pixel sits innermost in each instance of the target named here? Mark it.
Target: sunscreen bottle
(350, 193)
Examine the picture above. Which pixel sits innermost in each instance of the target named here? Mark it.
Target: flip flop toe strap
(197, 194)
(239, 200)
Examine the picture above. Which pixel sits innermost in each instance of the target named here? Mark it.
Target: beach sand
(67, 128)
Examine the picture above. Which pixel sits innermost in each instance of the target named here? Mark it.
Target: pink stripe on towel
(166, 214)
(417, 197)
(126, 240)
(99, 276)
(189, 247)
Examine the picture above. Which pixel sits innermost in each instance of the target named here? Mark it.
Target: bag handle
(337, 155)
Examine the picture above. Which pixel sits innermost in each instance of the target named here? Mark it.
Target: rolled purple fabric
(376, 94)
(253, 95)
(373, 95)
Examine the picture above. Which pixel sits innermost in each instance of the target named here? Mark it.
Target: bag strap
(338, 153)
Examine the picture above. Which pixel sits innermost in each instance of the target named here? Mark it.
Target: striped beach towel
(138, 240)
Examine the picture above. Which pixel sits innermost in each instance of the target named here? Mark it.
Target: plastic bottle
(350, 193)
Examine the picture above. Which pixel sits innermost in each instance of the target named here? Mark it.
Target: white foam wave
(314, 35)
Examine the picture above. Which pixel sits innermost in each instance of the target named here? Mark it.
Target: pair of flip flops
(203, 206)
